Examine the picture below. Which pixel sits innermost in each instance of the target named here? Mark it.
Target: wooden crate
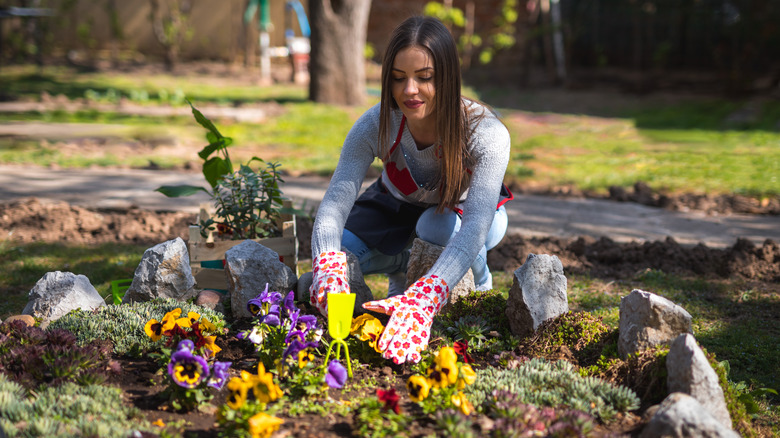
(205, 249)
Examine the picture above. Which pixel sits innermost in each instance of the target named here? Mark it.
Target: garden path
(530, 215)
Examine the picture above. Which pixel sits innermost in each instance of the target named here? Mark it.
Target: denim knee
(371, 260)
(437, 228)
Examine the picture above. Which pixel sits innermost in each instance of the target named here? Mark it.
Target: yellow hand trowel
(340, 310)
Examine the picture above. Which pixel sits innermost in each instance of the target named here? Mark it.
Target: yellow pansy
(467, 376)
(262, 425)
(367, 328)
(461, 402)
(418, 387)
(211, 346)
(444, 370)
(238, 389)
(193, 317)
(173, 314)
(154, 329)
(304, 357)
(207, 325)
(264, 388)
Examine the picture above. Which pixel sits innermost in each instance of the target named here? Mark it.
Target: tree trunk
(338, 38)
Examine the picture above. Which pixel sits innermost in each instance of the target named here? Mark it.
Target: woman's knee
(437, 228)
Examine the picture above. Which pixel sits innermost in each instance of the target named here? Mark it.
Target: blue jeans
(432, 227)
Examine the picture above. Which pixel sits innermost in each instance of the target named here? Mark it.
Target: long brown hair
(452, 118)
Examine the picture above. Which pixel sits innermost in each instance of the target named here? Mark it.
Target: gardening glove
(411, 315)
(329, 275)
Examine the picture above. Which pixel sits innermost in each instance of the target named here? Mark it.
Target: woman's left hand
(411, 316)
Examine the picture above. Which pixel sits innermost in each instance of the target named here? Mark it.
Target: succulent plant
(124, 324)
(553, 384)
(66, 410)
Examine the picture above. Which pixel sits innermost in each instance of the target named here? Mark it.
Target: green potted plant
(248, 204)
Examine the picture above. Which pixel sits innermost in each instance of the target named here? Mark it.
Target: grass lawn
(587, 140)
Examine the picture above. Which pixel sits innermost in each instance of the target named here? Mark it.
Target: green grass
(25, 264)
(25, 82)
(681, 144)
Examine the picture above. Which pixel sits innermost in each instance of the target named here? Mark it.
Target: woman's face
(412, 85)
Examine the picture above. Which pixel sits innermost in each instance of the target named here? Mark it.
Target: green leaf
(214, 169)
(209, 149)
(204, 121)
(178, 191)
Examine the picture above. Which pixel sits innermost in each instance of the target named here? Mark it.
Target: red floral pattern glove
(411, 315)
(329, 275)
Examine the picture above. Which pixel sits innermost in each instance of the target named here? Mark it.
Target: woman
(444, 159)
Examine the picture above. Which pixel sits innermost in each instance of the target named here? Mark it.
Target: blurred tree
(338, 39)
(170, 22)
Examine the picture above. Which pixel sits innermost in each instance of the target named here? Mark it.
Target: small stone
(27, 319)
(209, 299)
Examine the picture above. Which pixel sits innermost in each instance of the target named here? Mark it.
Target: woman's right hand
(329, 275)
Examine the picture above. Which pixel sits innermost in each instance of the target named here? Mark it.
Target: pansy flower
(466, 376)
(187, 369)
(461, 348)
(185, 344)
(390, 399)
(296, 347)
(264, 304)
(336, 375)
(367, 328)
(255, 336)
(207, 325)
(219, 374)
(418, 387)
(304, 357)
(264, 388)
(461, 402)
(238, 389)
(289, 303)
(211, 347)
(444, 370)
(154, 329)
(262, 425)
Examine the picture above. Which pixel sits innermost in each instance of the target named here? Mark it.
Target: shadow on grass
(735, 322)
(33, 85)
(651, 112)
(25, 264)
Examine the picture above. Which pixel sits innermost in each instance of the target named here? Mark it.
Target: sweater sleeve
(358, 152)
(490, 148)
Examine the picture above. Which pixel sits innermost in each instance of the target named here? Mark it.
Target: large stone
(648, 320)
(357, 283)
(689, 371)
(538, 293)
(422, 257)
(57, 293)
(681, 416)
(164, 272)
(249, 267)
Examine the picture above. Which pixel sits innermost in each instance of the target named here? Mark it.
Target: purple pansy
(187, 369)
(296, 347)
(185, 344)
(289, 303)
(219, 374)
(337, 374)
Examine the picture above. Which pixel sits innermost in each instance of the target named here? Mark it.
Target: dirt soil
(31, 220)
